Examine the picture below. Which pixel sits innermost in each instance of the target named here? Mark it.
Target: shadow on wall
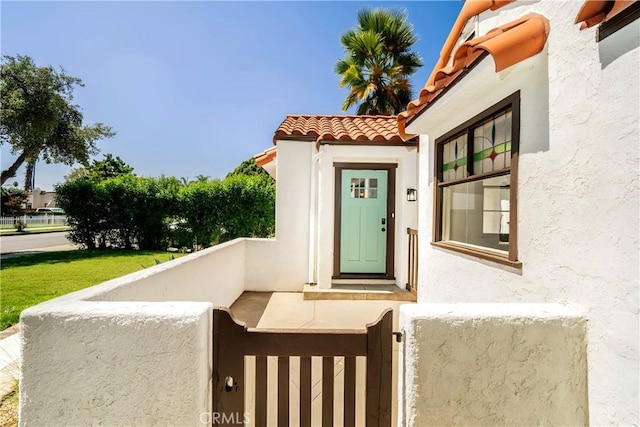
(534, 112)
(623, 41)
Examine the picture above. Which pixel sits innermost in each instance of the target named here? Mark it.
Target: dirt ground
(9, 410)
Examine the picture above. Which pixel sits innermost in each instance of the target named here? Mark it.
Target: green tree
(108, 167)
(378, 62)
(12, 200)
(250, 168)
(39, 119)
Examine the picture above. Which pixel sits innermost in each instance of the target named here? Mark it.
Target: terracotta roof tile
(265, 157)
(507, 44)
(340, 128)
(594, 12)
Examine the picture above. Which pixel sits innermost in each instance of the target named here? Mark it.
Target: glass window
(476, 183)
(477, 213)
(364, 188)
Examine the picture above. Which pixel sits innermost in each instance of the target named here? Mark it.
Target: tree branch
(11, 170)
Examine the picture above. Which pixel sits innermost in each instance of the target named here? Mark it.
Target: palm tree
(378, 62)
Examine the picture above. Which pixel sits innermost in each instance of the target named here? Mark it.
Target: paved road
(35, 242)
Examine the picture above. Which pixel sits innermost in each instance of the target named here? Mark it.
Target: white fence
(33, 220)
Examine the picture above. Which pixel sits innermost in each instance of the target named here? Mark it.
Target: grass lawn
(31, 279)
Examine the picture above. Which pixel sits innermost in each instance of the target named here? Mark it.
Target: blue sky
(197, 87)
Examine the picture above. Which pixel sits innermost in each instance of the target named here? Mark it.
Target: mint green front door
(363, 221)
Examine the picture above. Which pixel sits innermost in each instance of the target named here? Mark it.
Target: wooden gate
(232, 342)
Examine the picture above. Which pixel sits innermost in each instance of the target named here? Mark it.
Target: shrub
(151, 213)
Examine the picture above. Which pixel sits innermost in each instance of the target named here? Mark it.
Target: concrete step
(360, 282)
(358, 292)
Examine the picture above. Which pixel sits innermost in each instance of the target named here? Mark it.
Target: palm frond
(378, 61)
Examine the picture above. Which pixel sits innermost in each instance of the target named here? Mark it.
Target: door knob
(383, 229)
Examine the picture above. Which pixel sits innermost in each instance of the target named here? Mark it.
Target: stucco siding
(493, 364)
(216, 274)
(405, 157)
(260, 272)
(135, 350)
(305, 208)
(115, 364)
(578, 204)
(293, 204)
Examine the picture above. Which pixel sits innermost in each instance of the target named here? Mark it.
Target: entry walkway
(289, 310)
(9, 362)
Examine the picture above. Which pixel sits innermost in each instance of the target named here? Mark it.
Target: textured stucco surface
(115, 364)
(578, 193)
(293, 193)
(135, 350)
(305, 216)
(405, 212)
(493, 364)
(216, 275)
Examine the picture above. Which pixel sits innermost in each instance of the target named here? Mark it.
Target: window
(620, 20)
(364, 188)
(475, 185)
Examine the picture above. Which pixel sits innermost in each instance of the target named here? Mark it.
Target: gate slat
(349, 391)
(379, 371)
(228, 363)
(261, 391)
(327, 391)
(283, 391)
(305, 391)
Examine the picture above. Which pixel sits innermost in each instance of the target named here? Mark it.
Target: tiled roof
(594, 12)
(507, 44)
(340, 128)
(265, 157)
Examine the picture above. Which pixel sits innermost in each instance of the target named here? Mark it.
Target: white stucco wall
(135, 350)
(293, 202)
(578, 204)
(305, 204)
(215, 275)
(406, 212)
(115, 364)
(260, 267)
(492, 364)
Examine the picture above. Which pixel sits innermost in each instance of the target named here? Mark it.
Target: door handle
(383, 229)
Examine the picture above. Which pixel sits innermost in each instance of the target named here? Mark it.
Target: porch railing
(412, 279)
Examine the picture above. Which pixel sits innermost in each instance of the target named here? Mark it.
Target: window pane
(364, 188)
(492, 144)
(454, 159)
(477, 213)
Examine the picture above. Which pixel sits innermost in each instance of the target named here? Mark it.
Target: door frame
(391, 219)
